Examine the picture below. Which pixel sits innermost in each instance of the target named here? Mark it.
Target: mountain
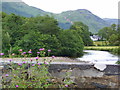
(20, 8)
(65, 19)
(94, 22)
(111, 21)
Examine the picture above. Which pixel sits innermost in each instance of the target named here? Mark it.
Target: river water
(102, 57)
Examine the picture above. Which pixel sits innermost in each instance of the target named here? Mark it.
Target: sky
(101, 8)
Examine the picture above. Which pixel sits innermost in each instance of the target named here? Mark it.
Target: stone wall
(88, 70)
(84, 73)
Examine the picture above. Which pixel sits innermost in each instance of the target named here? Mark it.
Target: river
(102, 57)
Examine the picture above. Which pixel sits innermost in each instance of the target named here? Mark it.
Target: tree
(36, 40)
(83, 31)
(42, 24)
(6, 42)
(71, 43)
(113, 26)
(109, 34)
(113, 39)
(12, 24)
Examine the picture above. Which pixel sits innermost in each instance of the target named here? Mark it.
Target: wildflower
(39, 64)
(16, 86)
(23, 53)
(36, 58)
(29, 52)
(10, 60)
(49, 50)
(66, 85)
(24, 62)
(45, 63)
(53, 56)
(38, 52)
(33, 64)
(13, 54)
(20, 50)
(31, 60)
(19, 64)
(1, 54)
(41, 49)
(7, 75)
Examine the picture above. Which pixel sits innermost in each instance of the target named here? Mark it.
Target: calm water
(103, 57)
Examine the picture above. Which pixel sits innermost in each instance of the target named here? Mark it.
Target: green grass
(118, 62)
(101, 43)
(113, 49)
(100, 47)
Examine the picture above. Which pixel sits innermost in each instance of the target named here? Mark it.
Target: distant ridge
(94, 22)
(65, 19)
(111, 21)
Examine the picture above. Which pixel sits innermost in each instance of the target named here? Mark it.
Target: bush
(71, 43)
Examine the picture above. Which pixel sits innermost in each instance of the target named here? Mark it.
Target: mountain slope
(94, 22)
(20, 8)
(65, 19)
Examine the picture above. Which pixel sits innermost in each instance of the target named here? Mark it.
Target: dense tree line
(110, 34)
(42, 32)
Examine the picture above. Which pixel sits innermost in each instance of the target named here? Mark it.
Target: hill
(20, 8)
(111, 21)
(65, 19)
(94, 22)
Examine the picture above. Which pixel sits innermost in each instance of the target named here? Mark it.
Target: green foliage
(43, 24)
(71, 42)
(113, 39)
(118, 62)
(12, 25)
(83, 31)
(110, 34)
(36, 40)
(42, 32)
(101, 43)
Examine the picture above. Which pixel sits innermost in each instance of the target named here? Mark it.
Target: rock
(1, 67)
(101, 67)
(87, 73)
(98, 85)
(112, 85)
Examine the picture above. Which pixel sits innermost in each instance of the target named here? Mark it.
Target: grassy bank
(101, 43)
(112, 49)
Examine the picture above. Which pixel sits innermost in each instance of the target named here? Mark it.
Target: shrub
(71, 43)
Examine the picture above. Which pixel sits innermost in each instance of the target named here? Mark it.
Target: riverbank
(112, 49)
(42, 59)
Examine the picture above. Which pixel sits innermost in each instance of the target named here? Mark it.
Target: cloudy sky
(101, 8)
